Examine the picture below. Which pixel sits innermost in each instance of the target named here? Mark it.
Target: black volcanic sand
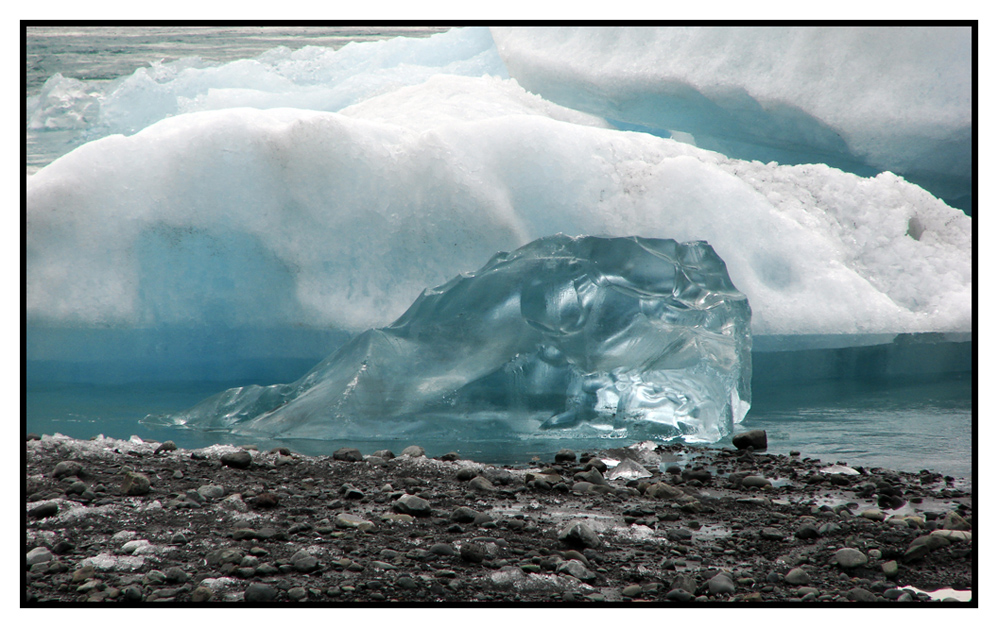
(127, 522)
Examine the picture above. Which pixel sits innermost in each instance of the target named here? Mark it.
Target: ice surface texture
(610, 332)
(251, 215)
(864, 99)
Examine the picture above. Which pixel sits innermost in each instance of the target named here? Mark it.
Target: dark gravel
(716, 526)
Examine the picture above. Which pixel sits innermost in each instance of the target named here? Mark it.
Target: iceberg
(259, 213)
(610, 333)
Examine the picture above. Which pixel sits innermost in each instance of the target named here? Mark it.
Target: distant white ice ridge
(865, 99)
(312, 77)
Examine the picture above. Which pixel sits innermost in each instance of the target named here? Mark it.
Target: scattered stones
(323, 531)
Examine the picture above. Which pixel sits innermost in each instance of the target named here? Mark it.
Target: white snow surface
(289, 217)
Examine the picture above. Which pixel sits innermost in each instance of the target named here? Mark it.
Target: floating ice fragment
(637, 334)
(629, 469)
(839, 469)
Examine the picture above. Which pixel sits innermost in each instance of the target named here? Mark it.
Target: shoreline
(134, 522)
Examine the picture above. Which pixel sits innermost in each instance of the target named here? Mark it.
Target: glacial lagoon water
(904, 423)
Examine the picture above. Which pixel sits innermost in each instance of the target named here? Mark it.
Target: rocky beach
(135, 522)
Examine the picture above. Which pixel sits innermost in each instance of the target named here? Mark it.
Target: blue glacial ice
(266, 209)
(602, 334)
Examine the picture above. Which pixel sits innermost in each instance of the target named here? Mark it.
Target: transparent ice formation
(564, 332)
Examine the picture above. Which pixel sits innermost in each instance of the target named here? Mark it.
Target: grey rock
(445, 550)
(684, 582)
(797, 576)
(849, 558)
(565, 455)
(861, 595)
(304, 562)
(222, 556)
(413, 451)
(757, 439)
(166, 446)
(480, 483)
(211, 492)
(755, 481)
(135, 484)
(39, 555)
(679, 535)
(771, 534)
(240, 460)
(347, 520)
(412, 505)
(473, 552)
(679, 596)
(579, 535)
(260, 593)
(67, 468)
(131, 594)
(201, 594)
(384, 454)
(662, 491)
(954, 522)
(576, 568)
(465, 515)
(352, 455)
(591, 475)
(44, 510)
(721, 583)
(76, 488)
(922, 546)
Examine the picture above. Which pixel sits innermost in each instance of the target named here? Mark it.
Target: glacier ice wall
(284, 217)
(241, 215)
(606, 332)
(864, 99)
